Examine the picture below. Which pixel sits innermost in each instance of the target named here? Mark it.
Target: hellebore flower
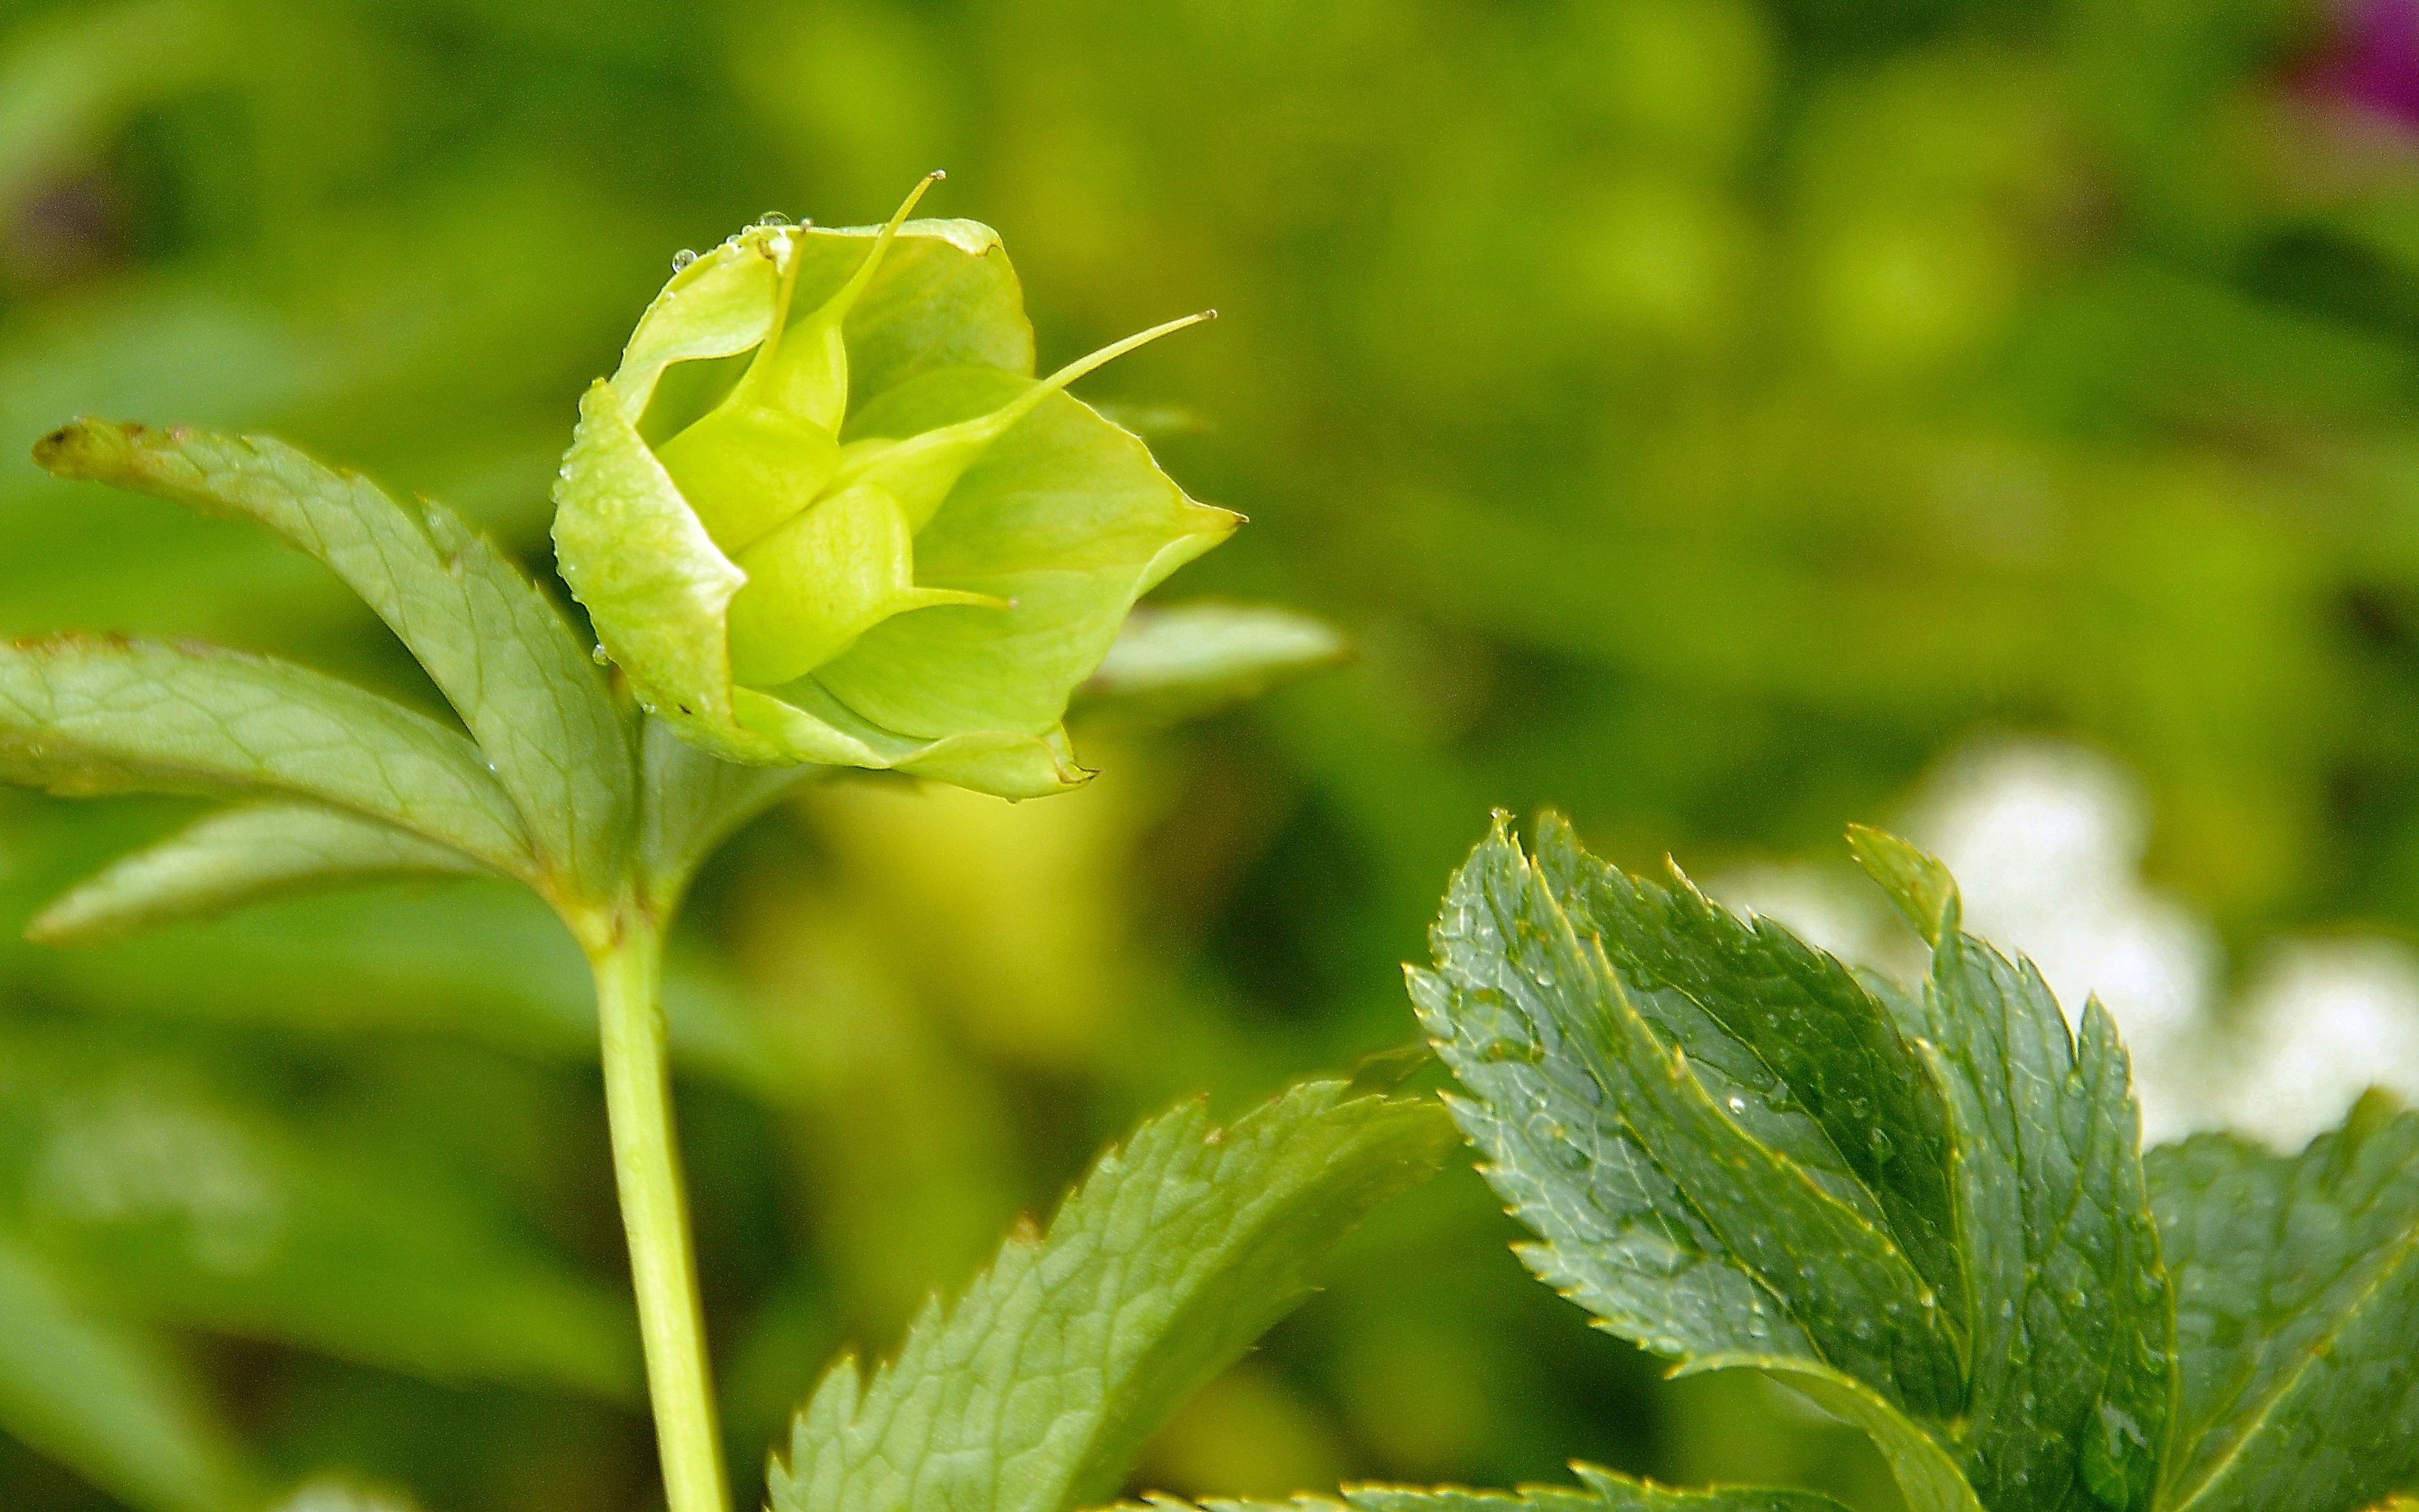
(824, 513)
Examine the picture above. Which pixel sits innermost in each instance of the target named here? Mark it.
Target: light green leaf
(491, 639)
(106, 1401)
(1172, 664)
(82, 715)
(176, 1192)
(1918, 883)
(2297, 1304)
(1035, 1389)
(2067, 1302)
(1605, 1491)
(1667, 1213)
(233, 857)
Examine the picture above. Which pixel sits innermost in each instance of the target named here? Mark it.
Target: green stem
(628, 963)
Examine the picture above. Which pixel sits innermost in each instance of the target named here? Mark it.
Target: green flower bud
(824, 511)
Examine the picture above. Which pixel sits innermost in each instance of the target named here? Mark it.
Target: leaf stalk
(627, 961)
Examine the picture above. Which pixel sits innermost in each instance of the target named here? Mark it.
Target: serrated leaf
(1927, 1476)
(1661, 1211)
(1604, 1492)
(106, 1401)
(1035, 1389)
(1918, 885)
(2065, 1302)
(173, 1193)
(489, 638)
(226, 859)
(2297, 1303)
(1175, 663)
(81, 716)
(1806, 1058)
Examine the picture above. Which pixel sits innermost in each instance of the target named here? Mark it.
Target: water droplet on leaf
(2116, 1456)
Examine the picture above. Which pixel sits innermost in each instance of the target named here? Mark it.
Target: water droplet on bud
(681, 258)
(599, 656)
(772, 217)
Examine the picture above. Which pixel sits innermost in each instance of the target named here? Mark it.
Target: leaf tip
(62, 453)
(1915, 879)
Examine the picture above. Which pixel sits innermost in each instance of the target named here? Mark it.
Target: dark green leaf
(2066, 1301)
(1824, 1072)
(81, 715)
(231, 859)
(491, 639)
(2297, 1304)
(1035, 1389)
(1661, 1209)
(1927, 1476)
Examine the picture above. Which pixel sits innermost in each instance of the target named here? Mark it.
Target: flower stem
(628, 963)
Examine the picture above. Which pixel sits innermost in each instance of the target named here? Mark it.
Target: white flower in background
(2046, 840)
(2325, 1021)
(342, 1496)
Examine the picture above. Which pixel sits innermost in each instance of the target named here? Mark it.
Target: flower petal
(1001, 762)
(656, 587)
(1070, 520)
(945, 296)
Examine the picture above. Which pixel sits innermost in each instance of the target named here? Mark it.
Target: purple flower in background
(2374, 60)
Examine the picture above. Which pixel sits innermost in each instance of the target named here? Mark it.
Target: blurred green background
(1703, 414)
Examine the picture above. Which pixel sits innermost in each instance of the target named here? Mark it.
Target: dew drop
(772, 217)
(681, 258)
(598, 655)
(2117, 1459)
(1738, 1105)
